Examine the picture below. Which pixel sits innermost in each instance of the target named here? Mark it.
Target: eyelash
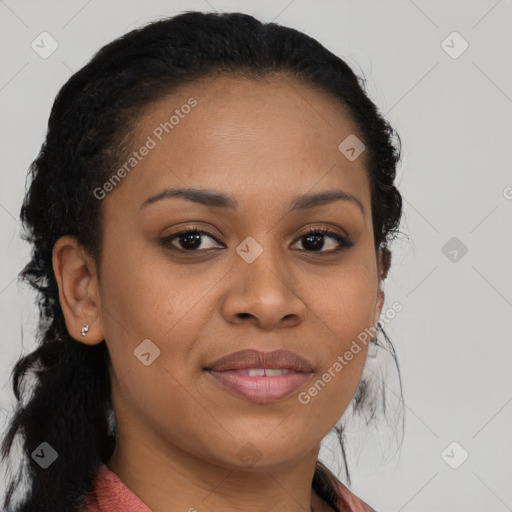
(344, 243)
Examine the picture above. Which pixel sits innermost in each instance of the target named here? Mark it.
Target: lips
(278, 359)
(261, 376)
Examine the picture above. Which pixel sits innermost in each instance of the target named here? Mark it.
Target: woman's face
(254, 282)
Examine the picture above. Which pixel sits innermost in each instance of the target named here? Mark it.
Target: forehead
(271, 138)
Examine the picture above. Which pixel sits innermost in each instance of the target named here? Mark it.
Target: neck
(171, 480)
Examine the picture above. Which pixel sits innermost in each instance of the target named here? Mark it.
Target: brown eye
(314, 240)
(189, 239)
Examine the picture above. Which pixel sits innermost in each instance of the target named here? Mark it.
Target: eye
(190, 239)
(314, 240)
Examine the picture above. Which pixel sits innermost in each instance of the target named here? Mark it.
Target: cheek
(337, 378)
(155, 302)
(140, 303)
(344, 311)
(132, 299)
(137, 288)
(346, 304)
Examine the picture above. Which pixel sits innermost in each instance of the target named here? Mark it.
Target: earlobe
(75, 272)
(379, 304)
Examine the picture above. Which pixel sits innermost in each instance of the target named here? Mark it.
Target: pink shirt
(112, 495)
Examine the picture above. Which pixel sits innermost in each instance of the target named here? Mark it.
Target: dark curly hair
(68, 403)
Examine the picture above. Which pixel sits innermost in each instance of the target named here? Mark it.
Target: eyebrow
(216, 199)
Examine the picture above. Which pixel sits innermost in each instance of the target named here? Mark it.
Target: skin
(179, 432)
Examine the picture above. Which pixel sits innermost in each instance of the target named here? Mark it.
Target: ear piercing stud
(84, 330)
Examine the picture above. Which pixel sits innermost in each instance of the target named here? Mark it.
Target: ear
(75, 272)
(383, 264)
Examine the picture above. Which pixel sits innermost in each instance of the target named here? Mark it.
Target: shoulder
(110, 494)
(349, 498)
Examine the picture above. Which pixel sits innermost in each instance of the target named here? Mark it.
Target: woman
(209, 214)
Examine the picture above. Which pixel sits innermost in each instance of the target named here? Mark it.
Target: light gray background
(453, 336)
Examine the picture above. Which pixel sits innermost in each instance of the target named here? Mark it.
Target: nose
(265, 293)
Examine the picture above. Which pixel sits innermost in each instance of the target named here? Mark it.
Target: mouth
(261, 377)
